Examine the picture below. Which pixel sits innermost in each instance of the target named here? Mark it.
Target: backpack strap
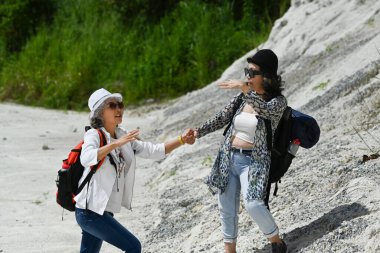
(239, 102)
(109, 155)
(94, 168)
(276, 188)
(266, 200)
(85, 181)
(268, 127)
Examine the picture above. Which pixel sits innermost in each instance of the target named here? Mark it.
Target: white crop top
(245, 126)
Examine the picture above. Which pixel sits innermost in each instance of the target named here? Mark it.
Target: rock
(283, 23)
(316, 42)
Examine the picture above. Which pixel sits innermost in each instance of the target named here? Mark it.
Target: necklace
(120, 161)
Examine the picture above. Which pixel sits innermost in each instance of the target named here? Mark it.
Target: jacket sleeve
(149, 150)
(222, 118)
(89, 154)
(268, 110)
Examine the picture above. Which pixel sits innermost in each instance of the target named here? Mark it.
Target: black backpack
(71, 172)
(293, 126)
(280, 157)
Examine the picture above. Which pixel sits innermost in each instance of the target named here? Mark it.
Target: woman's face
(113, 112)
(256, 82)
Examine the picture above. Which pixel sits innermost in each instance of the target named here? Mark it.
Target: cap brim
(101, 101)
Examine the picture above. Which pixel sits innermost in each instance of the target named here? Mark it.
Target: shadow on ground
(302, 237)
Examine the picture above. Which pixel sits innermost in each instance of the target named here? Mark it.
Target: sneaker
(279, 247)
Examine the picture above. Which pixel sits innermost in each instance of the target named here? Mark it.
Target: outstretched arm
(186, 137)
(157, 151)
(220, 119)
(91, 151)
(269, 110)
(105, 150)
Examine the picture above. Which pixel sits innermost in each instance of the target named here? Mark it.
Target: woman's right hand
(105, 150)
(130, 136)
(236, 84)
(188, 136)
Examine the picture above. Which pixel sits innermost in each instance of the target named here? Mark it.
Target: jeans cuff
(230, 240)
(275, 232)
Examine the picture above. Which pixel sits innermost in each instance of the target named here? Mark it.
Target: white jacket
(98, 191)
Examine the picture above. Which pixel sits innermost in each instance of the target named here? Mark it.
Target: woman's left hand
(130, 136)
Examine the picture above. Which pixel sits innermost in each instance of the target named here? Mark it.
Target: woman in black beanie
(243, 160)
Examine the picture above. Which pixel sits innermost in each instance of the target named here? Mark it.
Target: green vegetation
(321, 86)
(37, 202)
(207, 161)
(329, 48)
(371, 22)
(54, 53)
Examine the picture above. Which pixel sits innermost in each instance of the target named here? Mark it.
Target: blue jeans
(229, 202)
(98, 228)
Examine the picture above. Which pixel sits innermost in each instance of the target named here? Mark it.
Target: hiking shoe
(279, 247)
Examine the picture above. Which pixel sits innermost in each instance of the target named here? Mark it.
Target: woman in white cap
(112, 185)
(243, 160)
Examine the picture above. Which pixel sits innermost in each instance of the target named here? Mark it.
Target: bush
(21, 19)
(181, 46)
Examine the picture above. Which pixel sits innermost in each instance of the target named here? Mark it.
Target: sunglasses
(113, 105)
(250, 73)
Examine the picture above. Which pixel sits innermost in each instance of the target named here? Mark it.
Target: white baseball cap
(98, 97)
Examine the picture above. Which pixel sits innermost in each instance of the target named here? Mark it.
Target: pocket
(84, 217)
(242, 159)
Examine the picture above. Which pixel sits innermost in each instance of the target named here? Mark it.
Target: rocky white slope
(328, 202)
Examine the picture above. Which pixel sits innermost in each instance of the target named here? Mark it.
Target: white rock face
(329, 55)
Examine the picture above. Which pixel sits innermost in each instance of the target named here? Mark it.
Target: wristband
(180, 140)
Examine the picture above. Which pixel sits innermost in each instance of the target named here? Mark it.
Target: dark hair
(273, 86)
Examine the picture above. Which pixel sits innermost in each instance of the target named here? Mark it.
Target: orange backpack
(71, 172)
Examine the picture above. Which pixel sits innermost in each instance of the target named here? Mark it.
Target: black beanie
(267, 61)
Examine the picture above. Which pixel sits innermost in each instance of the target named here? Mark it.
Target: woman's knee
(263, 218)
(255, 206)
(138, 247)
